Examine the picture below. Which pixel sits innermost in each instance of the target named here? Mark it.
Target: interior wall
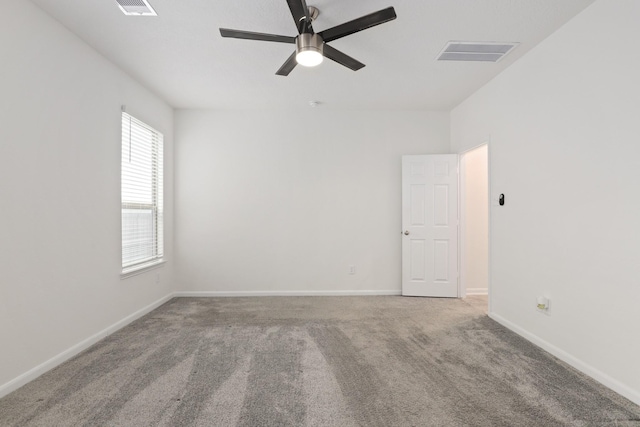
(273, 201)
(60, 192)
(564, 129)
(475, 221)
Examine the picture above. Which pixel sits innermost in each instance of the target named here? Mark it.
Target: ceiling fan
(311, 47)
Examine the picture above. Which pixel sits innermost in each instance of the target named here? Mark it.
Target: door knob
(406, 232)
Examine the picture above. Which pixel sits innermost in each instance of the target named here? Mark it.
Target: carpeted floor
(315, 361)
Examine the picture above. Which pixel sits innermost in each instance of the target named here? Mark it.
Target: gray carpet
(315, 361)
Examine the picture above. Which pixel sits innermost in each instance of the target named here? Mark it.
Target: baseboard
(601, 377)
(282, 293)
(34, 373)
(477, 291)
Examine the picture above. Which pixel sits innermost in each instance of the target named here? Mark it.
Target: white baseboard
(477, 291)
(34, 373)
(601, 377)
(282, 293)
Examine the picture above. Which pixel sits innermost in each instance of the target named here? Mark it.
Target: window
(142, 210)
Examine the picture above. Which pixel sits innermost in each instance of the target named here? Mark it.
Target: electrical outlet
(352, 269)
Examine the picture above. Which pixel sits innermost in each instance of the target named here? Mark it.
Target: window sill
(139, 269)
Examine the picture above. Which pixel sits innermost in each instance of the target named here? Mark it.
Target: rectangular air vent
(136, 7)
(475, 51)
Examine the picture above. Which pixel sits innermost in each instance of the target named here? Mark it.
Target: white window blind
(142, 208)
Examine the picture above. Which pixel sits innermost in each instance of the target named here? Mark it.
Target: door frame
(462, 283)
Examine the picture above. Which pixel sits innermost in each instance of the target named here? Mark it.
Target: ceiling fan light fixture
(311, 47)
(309, 50)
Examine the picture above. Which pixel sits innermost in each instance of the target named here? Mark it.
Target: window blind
(142, 194)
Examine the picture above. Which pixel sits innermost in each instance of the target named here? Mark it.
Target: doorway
(474, 225)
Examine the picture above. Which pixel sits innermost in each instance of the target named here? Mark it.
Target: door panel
(441, 205)
(430, 225)
(417, 204)
(418, 266)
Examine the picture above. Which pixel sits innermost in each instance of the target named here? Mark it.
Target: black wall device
(501, 199)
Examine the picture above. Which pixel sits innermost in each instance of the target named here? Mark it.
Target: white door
(430, 225)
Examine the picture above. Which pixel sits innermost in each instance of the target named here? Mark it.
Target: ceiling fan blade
(248, 35)
(341, 58)
(288, 65)
(300, 13)
(359, 24)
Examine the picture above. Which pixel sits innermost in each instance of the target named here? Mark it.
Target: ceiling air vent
(475, 51)
(136, 7)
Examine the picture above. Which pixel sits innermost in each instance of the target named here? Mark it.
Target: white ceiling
(181, 56)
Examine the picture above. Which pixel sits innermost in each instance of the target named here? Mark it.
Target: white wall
(474, 217)
(565, 151)
(286, 201)
(60, 192)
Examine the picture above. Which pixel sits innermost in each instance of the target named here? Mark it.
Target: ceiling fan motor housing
(309, 45)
